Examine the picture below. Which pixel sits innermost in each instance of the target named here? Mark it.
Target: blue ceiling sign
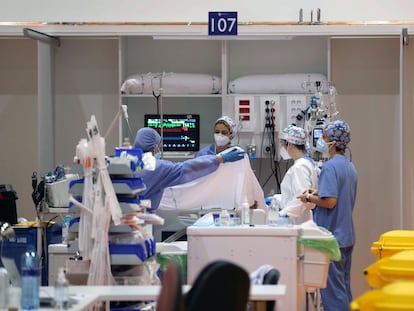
(222, 23)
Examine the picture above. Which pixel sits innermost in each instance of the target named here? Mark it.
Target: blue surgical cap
(147, 139)
(340, 132)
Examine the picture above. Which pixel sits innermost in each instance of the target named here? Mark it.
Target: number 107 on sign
(222, 23)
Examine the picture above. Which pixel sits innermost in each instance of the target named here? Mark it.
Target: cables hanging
(269, 143)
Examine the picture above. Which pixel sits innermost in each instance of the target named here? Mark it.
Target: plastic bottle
(225, 218)
(30, 280)
(245, 213)
(283, 220)
(273, 213)
(61, 289)
(4, 286)
(65, 229)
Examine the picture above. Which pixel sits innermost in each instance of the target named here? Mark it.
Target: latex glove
(233, 156)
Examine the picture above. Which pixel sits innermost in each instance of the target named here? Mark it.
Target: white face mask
(221, 140)
(284, 154)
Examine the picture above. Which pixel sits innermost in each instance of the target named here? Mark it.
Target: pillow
(172, 83)
(295, 83)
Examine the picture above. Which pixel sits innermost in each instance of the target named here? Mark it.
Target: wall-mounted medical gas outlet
(269, 124)
(269, 113)
(244, 113)
(295, 106)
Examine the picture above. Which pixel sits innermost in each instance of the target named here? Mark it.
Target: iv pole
(159, 111)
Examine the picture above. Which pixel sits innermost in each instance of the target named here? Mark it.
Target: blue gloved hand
(233, 155)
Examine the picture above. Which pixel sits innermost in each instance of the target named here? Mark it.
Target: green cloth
(328, 246)
(181, 259)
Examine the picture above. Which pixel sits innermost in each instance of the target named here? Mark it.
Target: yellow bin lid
(399, 266)
(392, 242)
(396, 296)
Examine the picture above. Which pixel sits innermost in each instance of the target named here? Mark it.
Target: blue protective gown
(168, 174)
(210, 149)
(338, 179)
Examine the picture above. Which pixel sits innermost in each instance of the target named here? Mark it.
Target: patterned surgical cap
(340, 132)
(296, 135)
(284, 133)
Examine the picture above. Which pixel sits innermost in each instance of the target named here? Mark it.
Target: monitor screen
(181, 132)
(316, 133)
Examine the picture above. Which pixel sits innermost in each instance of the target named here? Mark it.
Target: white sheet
(226, 188)
(172, 83)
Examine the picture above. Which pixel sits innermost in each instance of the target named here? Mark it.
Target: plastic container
(315, 260)
(30, 280)
(283, 220)
(392, 242)
(61, 290)
(397, 267)
(272, 216)
(245, 213)
(224, 218)
(65, 229)
(396, 296)
(4, 286)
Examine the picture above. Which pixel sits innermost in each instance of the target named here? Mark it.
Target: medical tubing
(79, 204)
(113, 123)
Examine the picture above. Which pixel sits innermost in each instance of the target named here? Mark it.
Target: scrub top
(210, 149)
(338, 179)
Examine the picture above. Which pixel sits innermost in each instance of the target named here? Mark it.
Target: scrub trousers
(337, 295)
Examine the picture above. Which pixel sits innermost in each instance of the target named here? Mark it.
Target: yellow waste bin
(392, 242)
(396, 296)
(398, 267)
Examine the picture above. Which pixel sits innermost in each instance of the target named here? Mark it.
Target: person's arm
(326, 195)
(311, 196)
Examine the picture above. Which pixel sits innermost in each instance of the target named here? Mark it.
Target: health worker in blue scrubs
(224, 130)
(167, 173)
(335, 201)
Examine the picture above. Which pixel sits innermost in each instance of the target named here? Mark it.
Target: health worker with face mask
(224, 130)
(167, 173)
(335, 201)
(303, 174)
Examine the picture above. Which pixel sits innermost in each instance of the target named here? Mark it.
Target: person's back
(338, 179)
(303, 174)
(335, 201)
